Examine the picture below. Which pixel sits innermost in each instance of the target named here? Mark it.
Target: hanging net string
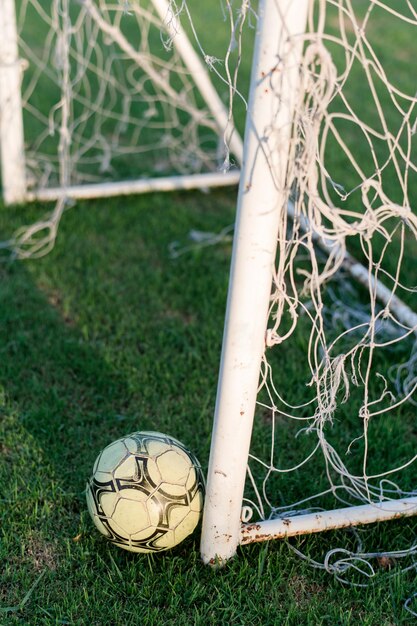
(124, 99)
(326, 117)
(330, 403)
(107, 97)
(349, 399)
(349, 188)
(38, 239)
(372, 208)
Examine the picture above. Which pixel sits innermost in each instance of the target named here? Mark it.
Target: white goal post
(261, 222)
(105, 22)
(11, 118)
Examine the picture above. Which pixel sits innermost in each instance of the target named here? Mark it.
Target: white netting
(107, 96)
(349, 183)
(124, 103)
(338, 415)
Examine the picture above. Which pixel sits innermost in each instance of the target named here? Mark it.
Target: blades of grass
(261, 562)
(19, 607)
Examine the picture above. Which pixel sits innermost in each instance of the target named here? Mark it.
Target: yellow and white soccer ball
(146, 492)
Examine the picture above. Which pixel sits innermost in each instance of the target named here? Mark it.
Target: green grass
(106, 335)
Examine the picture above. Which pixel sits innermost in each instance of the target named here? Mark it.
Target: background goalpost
(109, 90)
(290, 93)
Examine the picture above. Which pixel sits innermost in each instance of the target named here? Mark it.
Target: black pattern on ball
(146, 492)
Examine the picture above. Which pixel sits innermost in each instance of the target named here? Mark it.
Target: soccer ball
(146, 492)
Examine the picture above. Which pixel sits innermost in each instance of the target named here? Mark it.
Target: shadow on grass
(101, 338)
(85, 347)
(57, 388)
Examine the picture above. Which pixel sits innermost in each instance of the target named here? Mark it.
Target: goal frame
(261, 204)
(12, 139)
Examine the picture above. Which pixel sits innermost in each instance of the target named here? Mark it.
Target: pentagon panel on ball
(146, 492)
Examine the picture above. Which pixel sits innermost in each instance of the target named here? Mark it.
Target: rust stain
(264, 537)
(250, 528)
(245, 539)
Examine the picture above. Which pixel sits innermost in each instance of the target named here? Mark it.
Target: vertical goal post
(262, 212)
(261, 206)
(11, 117)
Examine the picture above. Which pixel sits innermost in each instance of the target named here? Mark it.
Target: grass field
(106, 335)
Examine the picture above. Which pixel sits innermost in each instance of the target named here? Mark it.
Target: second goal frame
(14, 162)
